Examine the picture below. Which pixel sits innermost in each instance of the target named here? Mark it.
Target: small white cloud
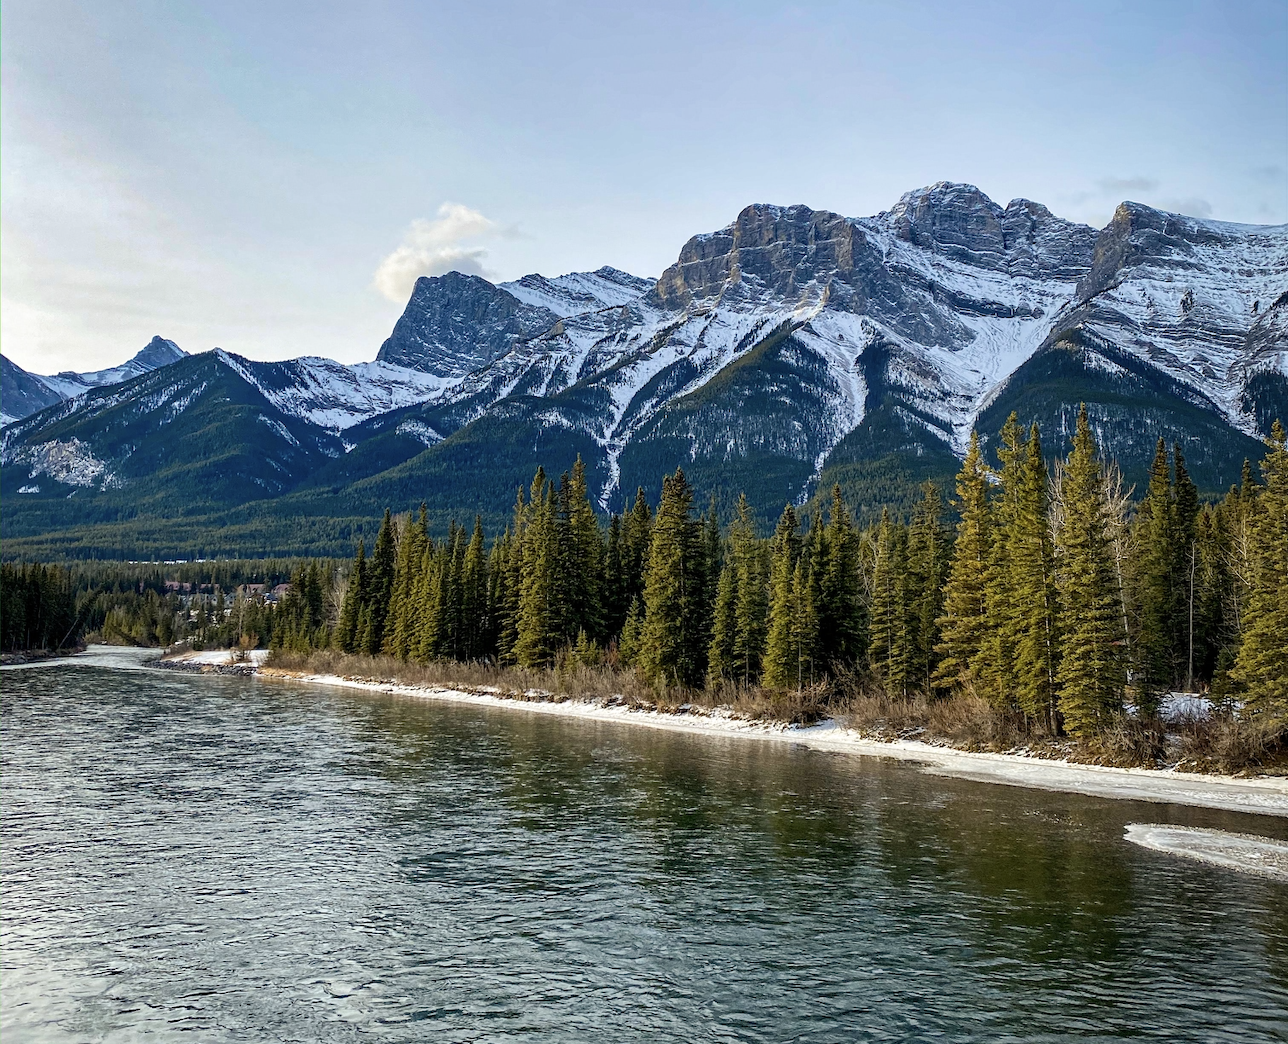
(431, 248)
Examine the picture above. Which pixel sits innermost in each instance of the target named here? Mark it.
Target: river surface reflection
(224, 859)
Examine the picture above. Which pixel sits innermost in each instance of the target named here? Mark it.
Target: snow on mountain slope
(936, 301)
(157, 353)
(332, 395)
(578, 291)
(1185, 295)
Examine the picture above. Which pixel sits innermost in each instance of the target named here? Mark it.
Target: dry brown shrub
(1125, 742)
(1230, 746)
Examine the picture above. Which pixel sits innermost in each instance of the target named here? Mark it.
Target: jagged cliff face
(456, 323)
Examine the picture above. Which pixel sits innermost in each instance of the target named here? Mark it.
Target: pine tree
(780, 652)
(1261, 666)
(1092, 673)
(889, 650)
(616, 603)
(964, 625)
(841, 624)
(475, 623)
(1185, 501)
(637, 538)
(400, 626)
(996, 663)
(722, 661)
(751, 609)
(672, 644)
(508, 612)
(587, 609)
(347, 637)
(628, 649)
(380, 584)
(1154, 584)
(539, 624)
(929, 553)
(1036, 638)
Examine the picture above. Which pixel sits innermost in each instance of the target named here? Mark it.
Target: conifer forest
(1054, 595)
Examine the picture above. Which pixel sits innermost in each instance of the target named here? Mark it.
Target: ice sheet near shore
(1268, 796)
(221, 657)
(1248, 853)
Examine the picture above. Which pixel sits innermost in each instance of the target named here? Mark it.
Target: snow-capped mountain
(24, 393)
(578, 292)
(789, 350)
(779, 335)
(456, 323)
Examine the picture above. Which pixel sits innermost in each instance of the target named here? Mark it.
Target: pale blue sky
(235, 174)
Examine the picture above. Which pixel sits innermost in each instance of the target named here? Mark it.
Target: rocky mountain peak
(455, 323)
(780, 249)
(960, 222)
(158, 352)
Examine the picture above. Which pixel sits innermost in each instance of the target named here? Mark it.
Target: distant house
(176, 587)
(278, 593)
(251, 590)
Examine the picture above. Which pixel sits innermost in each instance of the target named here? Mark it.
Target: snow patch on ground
(220, 657)
(1247, 853)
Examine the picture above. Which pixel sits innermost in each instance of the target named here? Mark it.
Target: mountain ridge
(795, 347)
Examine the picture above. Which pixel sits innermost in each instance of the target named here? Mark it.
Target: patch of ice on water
(1247, 853)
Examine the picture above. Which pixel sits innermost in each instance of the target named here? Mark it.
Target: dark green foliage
(1261, 666)
(37, 607)
(1130, 404)
(672, 643)
(1092, 674)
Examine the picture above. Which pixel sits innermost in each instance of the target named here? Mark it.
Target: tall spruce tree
(721, 660)
(929, 553)
(1092, 673)
(996, 670)
(540, 625)
(751, 611)
(1185, 569)
(965, 624)
(841, 623)
(780, 652)
(1261, 666)
(1034, 616)
(890, 651)
(347, 636)
(380, 586)
(672, 646)
(476, 624)
(1154, 584)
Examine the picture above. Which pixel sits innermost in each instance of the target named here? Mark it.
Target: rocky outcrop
(961, 223)
(456, 323)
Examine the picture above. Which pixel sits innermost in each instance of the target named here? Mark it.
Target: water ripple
(225, 860)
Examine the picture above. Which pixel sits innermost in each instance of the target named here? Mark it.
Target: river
(229, 859)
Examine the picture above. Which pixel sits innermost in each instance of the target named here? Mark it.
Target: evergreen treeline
(37, 607)
(1051, 596)
(157, 604)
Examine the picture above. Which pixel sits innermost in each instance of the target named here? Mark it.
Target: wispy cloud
(431, 248)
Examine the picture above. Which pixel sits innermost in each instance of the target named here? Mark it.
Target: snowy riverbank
(1265, 796)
